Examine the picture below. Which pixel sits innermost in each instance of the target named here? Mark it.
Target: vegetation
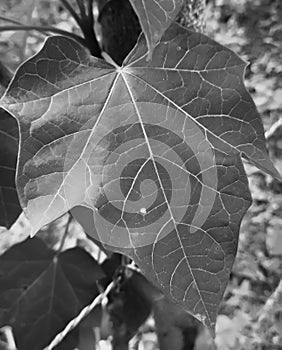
(134, 158)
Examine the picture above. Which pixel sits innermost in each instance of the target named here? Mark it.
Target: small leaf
(155, 16)
(41, 292)
(10, 207)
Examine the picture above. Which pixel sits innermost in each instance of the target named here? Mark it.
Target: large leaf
(41, 292)
(149, 154)
(155, 16)
(10, 207)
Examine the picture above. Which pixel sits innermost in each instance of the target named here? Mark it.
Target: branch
(75, 322)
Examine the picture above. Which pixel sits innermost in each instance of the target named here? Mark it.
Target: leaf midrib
(168, 206)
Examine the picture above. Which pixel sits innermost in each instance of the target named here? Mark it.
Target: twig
(75, 322)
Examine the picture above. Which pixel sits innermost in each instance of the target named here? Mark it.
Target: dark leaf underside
(10, 207)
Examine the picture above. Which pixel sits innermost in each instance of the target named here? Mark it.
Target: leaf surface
(147, 156)
(155, 16)
(10, 207)
(41, 292)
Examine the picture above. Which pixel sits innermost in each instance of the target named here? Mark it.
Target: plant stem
(83, 313)
(44, 29)
(81, 9)
(90, 11)
(86, 24)
(72, 12)
(91, 41)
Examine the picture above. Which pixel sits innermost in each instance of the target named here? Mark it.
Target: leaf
(41, 291)
(148, 155)
(5, 78)
(155, 16)
(10, 207)
(119, 28)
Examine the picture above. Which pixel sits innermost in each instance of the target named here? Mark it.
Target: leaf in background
(41, 292)
(149, 154)
(155, 16)
(119, 28)
(10, 207)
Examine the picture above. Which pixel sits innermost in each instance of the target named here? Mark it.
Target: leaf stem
(83, 313)
(72, 12)
(90, 11)
(87, 27)
(86, 24)
(6, 19)
(43, 30)
(81, 9)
